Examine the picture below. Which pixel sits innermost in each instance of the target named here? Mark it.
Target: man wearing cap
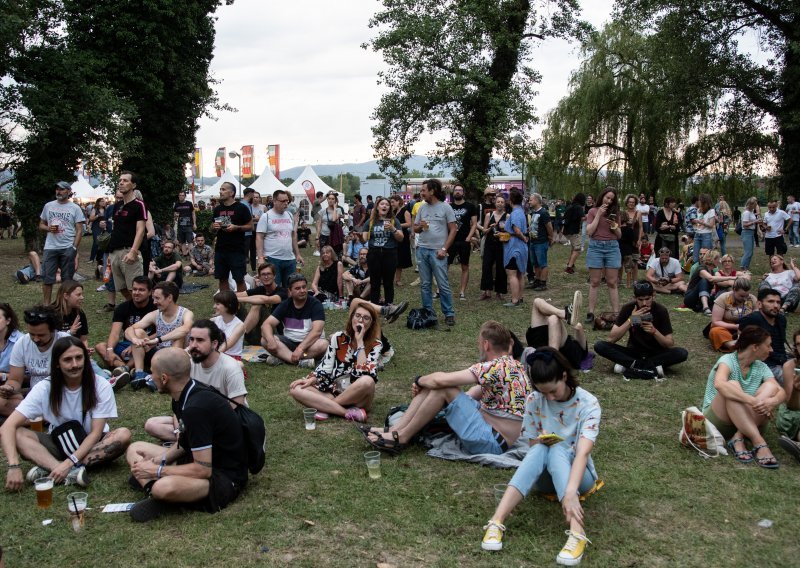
(665, 273)
(63, 221)
(651, 347)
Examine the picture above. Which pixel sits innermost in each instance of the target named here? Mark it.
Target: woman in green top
(741, 395)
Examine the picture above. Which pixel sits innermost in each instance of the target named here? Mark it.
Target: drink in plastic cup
(37, 424)
(53, 227)
(308, 416)
(373, 460)
(499, 491)
(44, 492)
(76, 505)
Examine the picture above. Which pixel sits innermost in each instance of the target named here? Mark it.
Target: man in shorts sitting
(665, 273)
(356, 279)
(488, 419)
(303, 319)
(207, 469)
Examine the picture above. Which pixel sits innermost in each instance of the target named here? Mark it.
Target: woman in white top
(704, 226)
(225, 307)
(750, 219)
(784, 280)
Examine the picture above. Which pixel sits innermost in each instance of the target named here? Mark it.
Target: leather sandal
(392, 447)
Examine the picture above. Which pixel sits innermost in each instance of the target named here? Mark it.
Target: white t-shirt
(775, 222)
(36, 363)
(644, 210)
(226, 376)
(277, 229)
(672, 268)
(65, 215)
(37, 403)
(227, 328)
(794, 210)
(707, 217)
(748, 217)
(782, 281)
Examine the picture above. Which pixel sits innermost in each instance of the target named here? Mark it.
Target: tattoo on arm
(204, 464)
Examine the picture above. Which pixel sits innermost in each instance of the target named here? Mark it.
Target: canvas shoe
(792, 447)
(493, 537)
(384, 358)
(77, 476)
(356, 414)
(393, 311)
(572, 313)
(272, 360)
(120, 377)
(35, 473)
(572, 553)
(619, 369)
(307, 364)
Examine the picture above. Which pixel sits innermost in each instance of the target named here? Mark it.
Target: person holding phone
(603, 259)
(561, 423)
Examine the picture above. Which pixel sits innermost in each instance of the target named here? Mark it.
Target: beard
(198, 357)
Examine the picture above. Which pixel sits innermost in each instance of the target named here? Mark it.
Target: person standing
(231, 220)
(403, 216)
(466, 225)
(750, 220)
(276, 239)
(127, 236)
(574, 229)
(63, 222)
(704, 226)
(644, 209)
(493, 273)
(186, 220)
(435, 225)
(603, 257)
(540, 229)
(515, 249)
(774, 228)
(793, 209)
(668, 227)
(329, 220)
(359, 213)
(382, 232)
(723, 211)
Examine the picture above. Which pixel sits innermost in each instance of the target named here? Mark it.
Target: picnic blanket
(192, 287)
(448, 447)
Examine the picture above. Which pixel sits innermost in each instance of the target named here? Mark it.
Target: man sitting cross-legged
(303, 320)
(261, 300)
(209, 367)
(207, 469)
(356, 279)
(665, 273)
(651, 347)
(488, 420)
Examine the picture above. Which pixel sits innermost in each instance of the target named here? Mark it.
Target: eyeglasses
(642, 289)
(362, 317)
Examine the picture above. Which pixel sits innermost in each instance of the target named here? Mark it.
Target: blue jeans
(283, 269)
(701, 241)
(748, 242)
(546, 469)
(794, 234)
(431, 267)
(723, 237)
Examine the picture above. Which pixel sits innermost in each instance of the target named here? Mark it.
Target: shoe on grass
(273, 361)
(307, 364)
(384, 358)
(619, 369)
(572, 313)
(149, 509)
(450, 320)
(356, 414)
(790, 446)
(77, 476)
(120, 377)
(35, 473)
(493, 537)
(393, 311)
(572, 553)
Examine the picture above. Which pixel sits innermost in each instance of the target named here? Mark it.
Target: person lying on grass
(486, 420)
(561, 422)
(343, 384)
(742, 394)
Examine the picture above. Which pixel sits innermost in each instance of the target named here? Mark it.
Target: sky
(297, 75)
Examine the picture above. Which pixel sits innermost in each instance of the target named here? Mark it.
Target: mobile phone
(647, 317)
(550, 438)
(636, 320)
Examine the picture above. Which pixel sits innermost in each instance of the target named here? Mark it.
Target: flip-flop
(743, 456)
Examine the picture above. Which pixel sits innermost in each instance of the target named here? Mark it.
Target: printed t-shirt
(238, 214)
(578, 417)
(36, 363)
(65, 215)
(775, 222)
(538, 226)
(781, 281)
(296, 321)
(184, 210)
(278, 229)
(463, 214)
(734, 313)
(504, 386)
(128, 314)
(644, 343)
(379, 237)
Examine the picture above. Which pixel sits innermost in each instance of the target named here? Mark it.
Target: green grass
(315, 506)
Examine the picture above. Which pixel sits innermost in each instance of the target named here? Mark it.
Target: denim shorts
(538, 252)
(603, 254)
(477, 436)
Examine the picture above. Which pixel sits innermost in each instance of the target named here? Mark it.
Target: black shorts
(572, 350)
(292, 345)
(512, 265)
(222, 491)
(462, 249)
(185, 235)
(233, 262)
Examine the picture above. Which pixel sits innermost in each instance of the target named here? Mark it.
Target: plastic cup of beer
(373, 461)
(76, 505)
(37, 424)
(308, 417)
(44, 492)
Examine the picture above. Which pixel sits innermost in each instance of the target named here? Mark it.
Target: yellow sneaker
(572, 552)
(493, 537)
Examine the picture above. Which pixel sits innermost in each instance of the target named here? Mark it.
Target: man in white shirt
(665, 273)
(276, 239)
(209, 367)
(774, 228)
(793, 209)
(644, 209)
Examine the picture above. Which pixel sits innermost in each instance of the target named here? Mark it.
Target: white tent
(226, 176)
(267, 183)
(83, 191)
(305, 188)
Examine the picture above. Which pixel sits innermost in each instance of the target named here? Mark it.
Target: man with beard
(770, 318)
(209, 367)
(466, 225)
(207, 469)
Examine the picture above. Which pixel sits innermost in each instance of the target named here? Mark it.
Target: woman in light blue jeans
(561, 423)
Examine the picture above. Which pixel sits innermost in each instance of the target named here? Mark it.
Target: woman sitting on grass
(702, 279)
(785, 280)
(344, 382)
(561, 422)
(226, 305)
(742, 394)
(327, 282)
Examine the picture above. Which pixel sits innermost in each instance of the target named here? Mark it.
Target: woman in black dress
(403, 215)
(668, 225)
(493, 273)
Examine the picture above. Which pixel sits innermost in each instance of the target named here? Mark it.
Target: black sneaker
(642, 374)
(120, 377)
(589, 318)
(540, 286)
(792, 447)
(394, 311)
(149, 509)
(450, 320)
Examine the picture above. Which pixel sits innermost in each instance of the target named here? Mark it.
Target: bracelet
(416, 381)
(158, 471)
(357, 351)
(14, 466)
(158, 339)
(74, 459)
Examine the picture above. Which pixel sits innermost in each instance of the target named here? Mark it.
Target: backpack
(420, 318)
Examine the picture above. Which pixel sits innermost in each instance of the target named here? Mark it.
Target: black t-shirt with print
(464, 214)
(125, 218)
(638, 339)
(184, 210)
(239, 214)
(128, 314)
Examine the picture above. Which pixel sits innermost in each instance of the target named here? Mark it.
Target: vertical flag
(219, 161)
(197, 163)
(248, 167)
(274, 157)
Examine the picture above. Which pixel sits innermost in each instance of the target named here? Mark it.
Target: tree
(647, 113)
(769, 85)
(376, 176)
(456, 68)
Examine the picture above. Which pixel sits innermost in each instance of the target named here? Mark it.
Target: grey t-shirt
(437, 216)
(65, 215)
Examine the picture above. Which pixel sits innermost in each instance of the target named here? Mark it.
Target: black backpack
(420, 318)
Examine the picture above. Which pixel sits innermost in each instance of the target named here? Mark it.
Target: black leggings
(493, 263)
(382, 264)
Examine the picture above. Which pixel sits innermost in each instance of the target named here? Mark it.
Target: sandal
(392, 447)
(367, 431)
(743, 456)
(766, 462)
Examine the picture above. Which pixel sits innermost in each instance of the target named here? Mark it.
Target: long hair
(373, 218)
(705, 203)
(435, 187)
(373, 333)
(751, 204)
(57, 382)
(614, 207)
(11, 316)
(334, 256)
(60, 304)
(547, 365)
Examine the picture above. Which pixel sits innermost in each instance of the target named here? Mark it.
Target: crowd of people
(514, 394)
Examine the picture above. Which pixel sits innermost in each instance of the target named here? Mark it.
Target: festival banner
(197, 163)
(219, 161)
(274, 159)
(248, 165)
(308, 186)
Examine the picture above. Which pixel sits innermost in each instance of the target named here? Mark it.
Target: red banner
(309, 189)
(219, 161)
(274, 159)
(248, 165)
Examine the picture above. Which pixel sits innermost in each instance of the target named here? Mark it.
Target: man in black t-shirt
(115, 353)
(231, 220)
(262, 299)
(207, 469)
(770, 318)
(187, 221)
(651, 347)
(466, 225)
(573, 224)
(127, 236)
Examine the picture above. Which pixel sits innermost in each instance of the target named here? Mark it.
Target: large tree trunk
(789, 125)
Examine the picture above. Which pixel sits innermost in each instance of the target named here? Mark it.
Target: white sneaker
(619, 369)
(316, 253)
(306, 364)
(77, 476)
(384, 358)
(35, 473)
(660, 371)
(274, 361)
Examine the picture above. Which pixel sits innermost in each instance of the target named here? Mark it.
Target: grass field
(315, 506)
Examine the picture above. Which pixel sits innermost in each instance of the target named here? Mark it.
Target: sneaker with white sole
(574, 309)
(272, 360)
(393, 311)
(149, 509)
(660, 371)
(120, 377)
(77, 476)
(384, 358)
(619, 369)
(572, 553)
(307, 364)
(35, 473)
(493, 537)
